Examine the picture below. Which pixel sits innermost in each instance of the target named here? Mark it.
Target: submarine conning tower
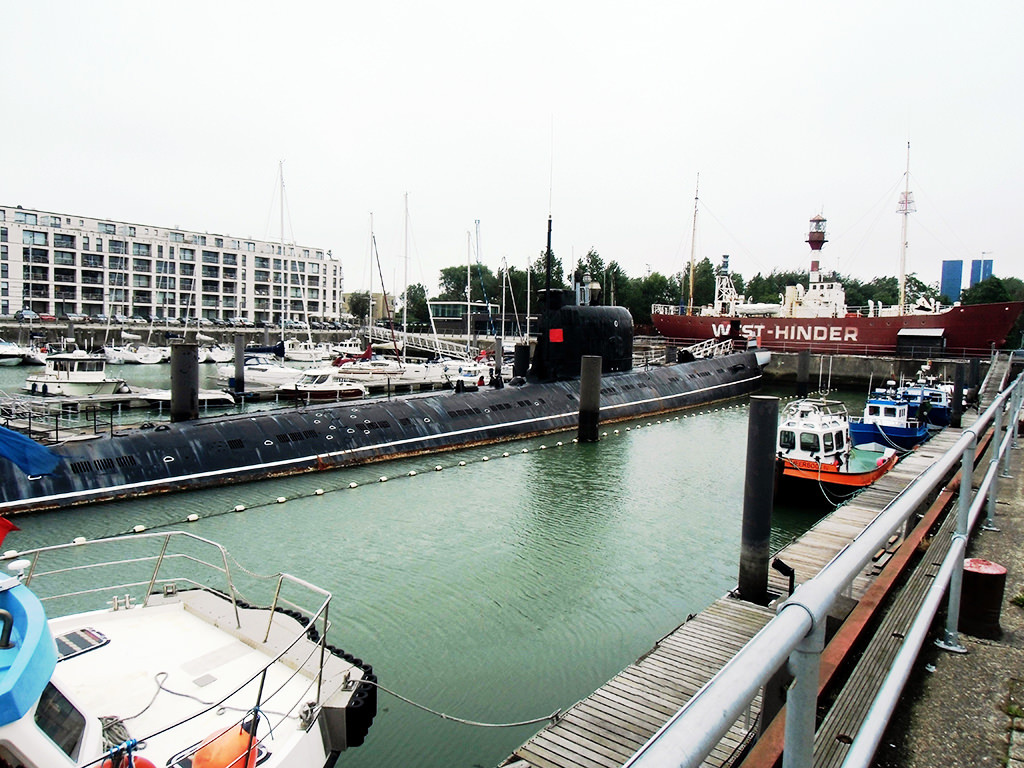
(568, 331)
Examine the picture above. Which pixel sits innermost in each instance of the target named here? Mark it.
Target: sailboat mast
(284, 299)
(469, 275)
(405, 291)
(369, 319)
(693, 244)
(906, 208)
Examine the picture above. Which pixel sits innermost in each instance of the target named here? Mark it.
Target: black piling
(590, 398)
(956, 408)
(758, 491)
(803, 372)
(239, 363)
(184, 380)
(521, 361)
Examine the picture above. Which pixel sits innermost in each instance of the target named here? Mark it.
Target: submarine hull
(222, 450)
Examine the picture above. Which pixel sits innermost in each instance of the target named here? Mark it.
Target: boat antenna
(693, 243)
(906, 208)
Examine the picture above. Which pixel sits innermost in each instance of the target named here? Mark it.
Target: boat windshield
(809, 442)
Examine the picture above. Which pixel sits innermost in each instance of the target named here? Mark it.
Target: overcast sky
(603, 114)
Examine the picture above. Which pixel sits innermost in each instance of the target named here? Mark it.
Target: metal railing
(797, 633)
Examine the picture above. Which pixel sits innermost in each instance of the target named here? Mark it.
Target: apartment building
(56, 263)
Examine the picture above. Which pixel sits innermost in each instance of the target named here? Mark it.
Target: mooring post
(521, 361)
(956, 408)
(239, 363)
(184, 380)
(803, 372)
(758, 492)
(590, 398)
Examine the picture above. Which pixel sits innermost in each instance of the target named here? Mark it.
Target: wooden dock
(606, 728)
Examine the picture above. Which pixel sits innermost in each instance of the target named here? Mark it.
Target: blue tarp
(31, 457)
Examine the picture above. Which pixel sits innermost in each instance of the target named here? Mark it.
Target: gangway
(424, 341)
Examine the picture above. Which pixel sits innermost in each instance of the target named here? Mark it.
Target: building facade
(60, 264)
(952, 279)
(981, 269)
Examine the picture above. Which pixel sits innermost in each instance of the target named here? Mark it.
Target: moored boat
(814, 447)
(327, 383)
(887, 421)
(817, 318)
(143, 649)
(76, 374)
(261, 369)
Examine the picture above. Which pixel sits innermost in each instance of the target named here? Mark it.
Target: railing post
(993, 491)
(802, 699)
(951, 640)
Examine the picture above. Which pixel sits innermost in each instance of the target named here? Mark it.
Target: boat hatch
(79, 641)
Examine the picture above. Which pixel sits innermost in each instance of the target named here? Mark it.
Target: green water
(496, 591)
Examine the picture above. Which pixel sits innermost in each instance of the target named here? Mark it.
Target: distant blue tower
(952, 279)
(981, 269)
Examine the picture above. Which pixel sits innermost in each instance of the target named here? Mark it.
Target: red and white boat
(817, 318)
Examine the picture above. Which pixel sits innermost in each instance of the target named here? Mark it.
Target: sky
(603, 115)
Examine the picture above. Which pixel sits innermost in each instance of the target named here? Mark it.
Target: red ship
(818, 319)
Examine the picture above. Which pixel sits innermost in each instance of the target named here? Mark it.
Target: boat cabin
(815, 430)
(886, 412)
(76, 366)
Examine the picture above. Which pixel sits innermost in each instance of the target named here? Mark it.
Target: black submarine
(213, 451)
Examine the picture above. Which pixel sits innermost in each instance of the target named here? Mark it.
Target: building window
(3, 252)
(142, 265)
(230, 258)
(187, 254)
(117, 246)
(176, 237)
(218, 242)
(211, 257)
(23, 217)
(140, 249)
(85, 243)
(106, 229)
(60, 240)
(65, 258)
(89, 260)
(250, 246)
(3, 234)
(118, 262)
(99, 244)
(131, 231)
(30, 237)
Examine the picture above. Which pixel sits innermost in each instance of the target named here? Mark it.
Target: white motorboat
(11, 353)
(305, 351)
(141, 354)
(76, 374)
(350, 347)
(146, 654)
(261, 369)
(216, 353)
(328, 383)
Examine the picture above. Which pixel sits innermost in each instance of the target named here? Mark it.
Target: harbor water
(502, 587)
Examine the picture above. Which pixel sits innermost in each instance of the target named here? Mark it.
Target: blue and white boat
(141, 648)
(887, 422)
(928, 402)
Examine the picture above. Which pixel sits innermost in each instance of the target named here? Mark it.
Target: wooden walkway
(605, 729)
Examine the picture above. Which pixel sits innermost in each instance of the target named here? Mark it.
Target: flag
(6, 526)
(31, 457)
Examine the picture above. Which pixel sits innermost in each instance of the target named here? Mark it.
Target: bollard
(758, 492)
(590, 399)
(981, 601)
(803, 372)
(239, 363)
(184, 381)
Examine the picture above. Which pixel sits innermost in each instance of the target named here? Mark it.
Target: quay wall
(834, 371)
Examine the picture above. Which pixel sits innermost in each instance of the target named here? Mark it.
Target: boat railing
(797, 632)
(126, 572)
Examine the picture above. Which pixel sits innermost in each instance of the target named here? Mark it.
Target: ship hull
(969, 330)
(217, 451)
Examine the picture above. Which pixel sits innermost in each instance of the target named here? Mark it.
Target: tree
(417, 310)
(359, 305)
(989, 291)
(481, 280)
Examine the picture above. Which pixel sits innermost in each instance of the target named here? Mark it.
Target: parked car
(138, 319)
(75, 317)
(23, 315)
(100, 318)
(119, 318)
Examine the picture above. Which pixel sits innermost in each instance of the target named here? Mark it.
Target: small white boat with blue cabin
(141, 650)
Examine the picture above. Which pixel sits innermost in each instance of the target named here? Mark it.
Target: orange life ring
(226, 748)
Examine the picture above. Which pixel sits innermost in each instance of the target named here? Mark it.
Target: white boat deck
(171, 660)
